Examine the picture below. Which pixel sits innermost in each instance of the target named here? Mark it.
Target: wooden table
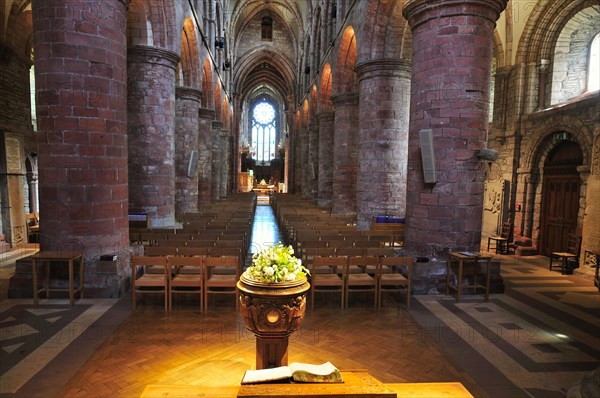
(347, 389)
(469, 258)
(50, 257)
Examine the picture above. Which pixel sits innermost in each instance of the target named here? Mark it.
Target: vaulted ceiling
(262, 67)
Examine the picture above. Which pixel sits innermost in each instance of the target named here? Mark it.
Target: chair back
(574, 244)
(185, 265)
(334, 263)
(148, 261)
(506, 230)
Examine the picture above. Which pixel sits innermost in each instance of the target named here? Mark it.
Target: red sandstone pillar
(186, 144)
(313, 158)
(345, 153)
(382, 146)
(205, 144)
(225, 163)
(81, 74)
(304, 163)
(216, 160)
(151, 122)
(290, 153)
(325, 182)
(452, 53)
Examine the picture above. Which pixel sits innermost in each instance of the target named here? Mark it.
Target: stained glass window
(263, 132)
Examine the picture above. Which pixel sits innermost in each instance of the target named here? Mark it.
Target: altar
(264, 189)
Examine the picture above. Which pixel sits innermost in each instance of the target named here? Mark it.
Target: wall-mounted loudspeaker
(428, 156)
(192, 163)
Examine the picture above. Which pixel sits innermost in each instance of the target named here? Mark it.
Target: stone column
(304, 166)
(151, 113)
(81, 76)
(186, 149)
(590, 235)
(382, 143)
(224, 159)
(313, 158)
(205, 150)
(217, 161)
(290, 153)
(345, 153)
(543, 67)
(325, 182)
(452, 53)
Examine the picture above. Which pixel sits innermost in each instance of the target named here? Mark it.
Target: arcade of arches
(165, 107)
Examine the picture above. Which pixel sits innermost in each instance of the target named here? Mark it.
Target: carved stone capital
(188, 93)
(387, 67)
(418, 12)
(152, 55)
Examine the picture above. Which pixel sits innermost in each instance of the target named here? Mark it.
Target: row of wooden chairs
(183, 275)
(346, 275)
(302, 221)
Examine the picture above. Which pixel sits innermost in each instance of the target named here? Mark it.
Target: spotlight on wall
(219, 42)
(487, 154)
(307, 70)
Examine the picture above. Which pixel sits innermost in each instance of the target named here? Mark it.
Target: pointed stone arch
(382, 30)
(207, 85)
(543, 27)
(152, 23)
(190, 58)
(345, 76)
(326, 89)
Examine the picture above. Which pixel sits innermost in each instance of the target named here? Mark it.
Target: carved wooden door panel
(560, 205)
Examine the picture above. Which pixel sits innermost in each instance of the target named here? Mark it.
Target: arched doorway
(560, 196)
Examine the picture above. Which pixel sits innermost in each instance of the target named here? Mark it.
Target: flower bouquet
(275, 264)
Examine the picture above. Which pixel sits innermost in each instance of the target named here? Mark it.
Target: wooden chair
(33, 227)
(395, 281)
(569, 256)
(311, 252)
(143, 282)
(221, 284)
(502, 241)
(160, 251)
(186, 277)
(381, 251)
(362, 281)
(194, 251)
(327, 276)
(367, 243)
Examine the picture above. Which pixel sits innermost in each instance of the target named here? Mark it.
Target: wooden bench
(139, 220)
(394, 229)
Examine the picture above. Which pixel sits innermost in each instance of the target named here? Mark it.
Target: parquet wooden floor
(186, 347)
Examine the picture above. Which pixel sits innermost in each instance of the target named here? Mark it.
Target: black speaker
(192, 163)
(428, 156)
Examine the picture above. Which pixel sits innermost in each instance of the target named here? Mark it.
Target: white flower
(290, 277)
(268, 271)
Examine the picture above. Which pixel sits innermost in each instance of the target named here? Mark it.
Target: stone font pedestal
(272, 311)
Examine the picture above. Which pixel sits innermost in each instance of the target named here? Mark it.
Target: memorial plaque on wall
(494, 207)
(12, 179)
(13, 154)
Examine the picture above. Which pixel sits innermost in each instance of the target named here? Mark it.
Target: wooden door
(560, 197)
(559, 209)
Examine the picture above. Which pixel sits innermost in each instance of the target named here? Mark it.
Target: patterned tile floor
(542, 334)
